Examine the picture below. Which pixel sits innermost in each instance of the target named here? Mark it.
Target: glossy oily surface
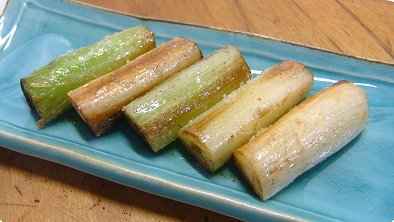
(213, 136)
(356, 184)
(324, 124)
(162, 112)
(100, 101)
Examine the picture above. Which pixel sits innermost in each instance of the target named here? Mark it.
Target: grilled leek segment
(162, 112)
(45, 89)
(100, 101)
(213, 136)
(304, 137)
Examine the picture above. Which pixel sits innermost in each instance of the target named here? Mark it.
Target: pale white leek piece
(213, 136)
(100, 101)
(304, 137)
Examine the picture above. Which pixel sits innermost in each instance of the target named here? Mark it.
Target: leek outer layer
(304, 137)
(161, 113)
(45, 89)
(100, 101)
(213, 136)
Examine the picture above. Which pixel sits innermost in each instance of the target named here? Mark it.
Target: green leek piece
(45, 89)
(162, 112)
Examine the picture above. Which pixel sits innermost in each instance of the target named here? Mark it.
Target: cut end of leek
(304, 137)
(161, 113)
(45, 89)
(213, 136)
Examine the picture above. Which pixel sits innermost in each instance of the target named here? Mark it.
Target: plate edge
(32, 148)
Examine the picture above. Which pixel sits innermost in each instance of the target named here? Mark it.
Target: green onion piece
(45, 89)
(162, 112)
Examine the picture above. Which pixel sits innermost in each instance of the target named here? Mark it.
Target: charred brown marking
(162, 61)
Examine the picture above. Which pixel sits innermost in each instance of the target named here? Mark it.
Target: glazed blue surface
(356, 184)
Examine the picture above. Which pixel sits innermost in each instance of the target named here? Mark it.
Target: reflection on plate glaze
(6, 38)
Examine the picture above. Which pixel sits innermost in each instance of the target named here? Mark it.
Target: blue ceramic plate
(356, 184)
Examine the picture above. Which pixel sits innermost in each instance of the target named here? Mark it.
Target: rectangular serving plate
(356, 184)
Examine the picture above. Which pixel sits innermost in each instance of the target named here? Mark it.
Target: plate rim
(35, 148)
